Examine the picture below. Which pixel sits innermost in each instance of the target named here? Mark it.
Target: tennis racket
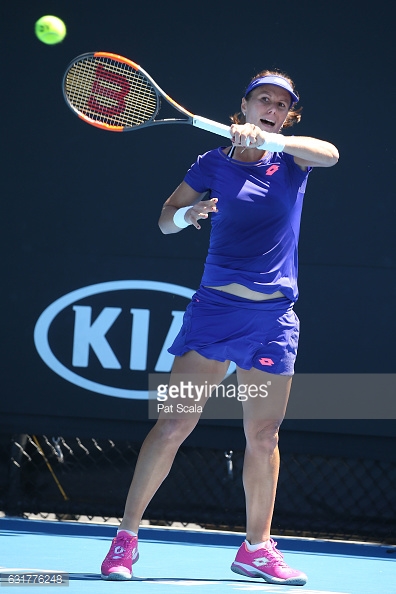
(115, 94)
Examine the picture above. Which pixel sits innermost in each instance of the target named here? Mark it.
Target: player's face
(267, 107)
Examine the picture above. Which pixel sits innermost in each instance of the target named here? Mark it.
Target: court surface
(181, 561)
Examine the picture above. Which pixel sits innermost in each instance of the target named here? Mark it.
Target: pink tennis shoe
(267, 563)
(122, 555)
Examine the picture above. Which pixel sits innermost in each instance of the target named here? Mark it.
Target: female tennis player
(242, 311)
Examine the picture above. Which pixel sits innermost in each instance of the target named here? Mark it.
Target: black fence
(318, 496)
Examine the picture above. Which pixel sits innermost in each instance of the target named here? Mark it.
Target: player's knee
(262, 437)
(174, 431)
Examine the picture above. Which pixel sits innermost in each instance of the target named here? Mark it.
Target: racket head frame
(79, 93)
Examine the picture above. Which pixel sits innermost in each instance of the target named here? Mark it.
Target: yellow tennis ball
(50, 29)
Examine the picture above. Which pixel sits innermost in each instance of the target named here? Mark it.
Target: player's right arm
(184, 196)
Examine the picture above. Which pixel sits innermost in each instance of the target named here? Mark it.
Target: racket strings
(111, 92)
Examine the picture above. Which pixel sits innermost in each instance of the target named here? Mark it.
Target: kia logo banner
(108, 337)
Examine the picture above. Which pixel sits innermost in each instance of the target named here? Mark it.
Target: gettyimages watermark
(312, 396)
(196, 395)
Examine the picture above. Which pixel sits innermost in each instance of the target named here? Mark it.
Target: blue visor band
(278, 81)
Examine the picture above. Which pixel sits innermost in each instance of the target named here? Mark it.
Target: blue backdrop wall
(80, 206)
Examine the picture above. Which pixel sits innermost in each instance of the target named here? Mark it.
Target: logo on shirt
(271, 170)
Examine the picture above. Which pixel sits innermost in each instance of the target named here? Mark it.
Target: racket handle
(211, 126)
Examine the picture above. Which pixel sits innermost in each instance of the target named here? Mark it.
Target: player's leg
(263, 410)
(263, 415)
(155, 460)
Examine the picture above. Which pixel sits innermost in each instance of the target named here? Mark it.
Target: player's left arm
(311, 152)
(307, 151)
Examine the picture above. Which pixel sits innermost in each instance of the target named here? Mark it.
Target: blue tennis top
(254, 234)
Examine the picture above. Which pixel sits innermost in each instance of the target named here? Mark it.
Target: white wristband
(274, 143)
(178, 217)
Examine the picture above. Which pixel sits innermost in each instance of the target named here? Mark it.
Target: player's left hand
(247, 135)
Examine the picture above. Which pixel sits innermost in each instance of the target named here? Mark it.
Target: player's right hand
(201, 210)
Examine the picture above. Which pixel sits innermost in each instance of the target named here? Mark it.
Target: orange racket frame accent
(117, 57)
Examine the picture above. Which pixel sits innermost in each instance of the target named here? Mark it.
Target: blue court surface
(180, 561)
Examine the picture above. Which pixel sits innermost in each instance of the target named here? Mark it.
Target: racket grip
(211, 126)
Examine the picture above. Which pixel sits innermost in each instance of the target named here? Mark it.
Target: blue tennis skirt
(224, 327)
